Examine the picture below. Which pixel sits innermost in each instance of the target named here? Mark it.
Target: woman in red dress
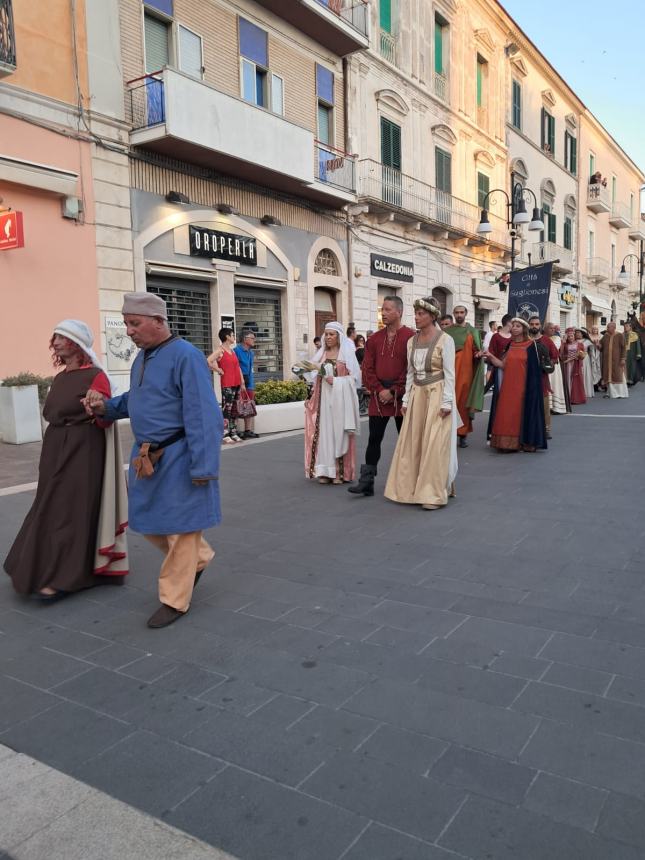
(572, 355)
(224, 362)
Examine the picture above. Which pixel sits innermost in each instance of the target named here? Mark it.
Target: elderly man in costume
(469, 371)
(384, 372)
(612, 347)
(178, 429)
(632, 354)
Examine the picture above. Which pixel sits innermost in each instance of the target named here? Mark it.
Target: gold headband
(522, 321)
(423, 305)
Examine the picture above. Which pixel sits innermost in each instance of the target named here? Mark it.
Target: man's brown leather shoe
(164, 616)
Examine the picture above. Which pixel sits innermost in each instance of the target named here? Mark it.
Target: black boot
(365, 482)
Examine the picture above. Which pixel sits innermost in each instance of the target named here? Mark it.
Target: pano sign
(204, 242)
(390, 267)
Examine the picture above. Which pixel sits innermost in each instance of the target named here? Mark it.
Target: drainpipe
(350, 264)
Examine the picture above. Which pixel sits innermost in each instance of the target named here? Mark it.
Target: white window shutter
(190, 52)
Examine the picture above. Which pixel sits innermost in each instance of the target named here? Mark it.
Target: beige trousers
(185, 555)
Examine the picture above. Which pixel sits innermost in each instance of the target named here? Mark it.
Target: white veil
(346, 352)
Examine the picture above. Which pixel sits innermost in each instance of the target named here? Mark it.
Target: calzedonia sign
(204, 242)
(390, 267)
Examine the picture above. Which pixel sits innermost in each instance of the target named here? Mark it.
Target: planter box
(20, 414)
(279, 417)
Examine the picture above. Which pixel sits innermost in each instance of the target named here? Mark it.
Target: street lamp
(623, 277)
(516, 214)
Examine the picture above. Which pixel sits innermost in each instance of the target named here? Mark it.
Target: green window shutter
(385, 8)
(566, 149)
(157, 44)
(443, 170)
(568, 229)
(438, 47)
(543, 139)
(551, 228)
(517, 105)
(390, 144)
(483, 187)
(546, 214)
(573, 161)
(552, 133)
(479, 83)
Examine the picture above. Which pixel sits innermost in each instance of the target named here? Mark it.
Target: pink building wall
(54, 276)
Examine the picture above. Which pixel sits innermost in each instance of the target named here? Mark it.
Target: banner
(528, 292)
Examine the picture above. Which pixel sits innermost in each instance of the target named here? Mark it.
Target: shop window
(259, 310)
(189, 309)
(327, 263)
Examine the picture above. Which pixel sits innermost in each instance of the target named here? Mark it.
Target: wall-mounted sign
(120, 349)
(390, 267)
(228, 322)
(11, 232)
(567, 296)
(204, 242)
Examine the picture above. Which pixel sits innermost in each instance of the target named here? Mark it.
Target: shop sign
(120, 349)
(204, 242)
(390, 267)
(11, 232)
(228, 322)
(567, 296)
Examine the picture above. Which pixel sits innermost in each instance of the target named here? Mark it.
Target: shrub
(280, 391)
(43, 383)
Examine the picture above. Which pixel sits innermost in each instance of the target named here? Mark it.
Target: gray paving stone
(410, 750)
(385, 793)
(266, 608)
(434, 622)
(170, 715)
(149, 772)
(190, 680)
(620, 630)
(420, 595)
(148, 668)
(577, 678)
(597, 654)
(531, 616)
(22, 623)
(104, 691)
(463, 721)
(501, 636)
(259, 820)
(596, 759)
(66, 735)
(584, 601)
(567, 801)
(487, 829)
(283, 710)
(70, 642)
(115, 655)
(465, 651)
(298, 640)
(483, 774)
(381, 843)
(470, 682)
(379, 660)
(531, 668)
(348, 628)
(335, 729)
(311, 618)
(586, 710)
(623, 818)
(251, 744)
(239, 696)
(231, 624)
(18, 771)
(38, 666)
(21, 701)
(403, 639)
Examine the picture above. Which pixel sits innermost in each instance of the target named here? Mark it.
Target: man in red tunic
(384, 371)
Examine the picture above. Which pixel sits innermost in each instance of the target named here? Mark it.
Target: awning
(598, 304)
(486, 304)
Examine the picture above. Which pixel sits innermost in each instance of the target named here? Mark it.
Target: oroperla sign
(204, 242)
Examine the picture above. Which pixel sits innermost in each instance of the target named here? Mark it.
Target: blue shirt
(245, 358)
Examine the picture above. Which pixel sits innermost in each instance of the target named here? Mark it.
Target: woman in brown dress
(56, 550)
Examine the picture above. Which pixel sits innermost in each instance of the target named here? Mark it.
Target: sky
(598, 50)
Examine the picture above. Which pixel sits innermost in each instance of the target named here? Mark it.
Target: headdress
(428, 304)
(81, 334)
(346, 351)
(145, 305)
(522, 321)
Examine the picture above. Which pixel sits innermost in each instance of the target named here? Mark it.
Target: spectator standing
(246, 357)
(446, 321)
(224, 362)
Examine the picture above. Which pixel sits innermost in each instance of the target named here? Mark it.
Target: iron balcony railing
(598, 195)
(387, 47)
(440, 84)
(7, 39)
(335, 167)
(353, 12)
(147, 104)
(381, 183)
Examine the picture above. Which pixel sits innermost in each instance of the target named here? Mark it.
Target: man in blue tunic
(178, 428)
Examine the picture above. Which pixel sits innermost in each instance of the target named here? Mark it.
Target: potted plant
(280, 405)
(21, 397)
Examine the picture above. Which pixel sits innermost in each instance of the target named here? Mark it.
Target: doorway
(325, 309)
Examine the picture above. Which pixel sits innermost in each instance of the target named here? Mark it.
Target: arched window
(327, 263)
(441, 296)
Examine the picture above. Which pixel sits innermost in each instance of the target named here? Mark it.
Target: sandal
(324, 480)
(227, 440)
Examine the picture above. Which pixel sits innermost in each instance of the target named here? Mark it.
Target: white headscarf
(346, 352)
(80, 334)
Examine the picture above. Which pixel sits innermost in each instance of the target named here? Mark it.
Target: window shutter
(552, 134)
(483, 187)
(190, 52)
(543, 139)
(551, 228)
(566, 149)
(396, 147)
(253, 43)
(567, 233)
(479, 83)
(157, 48)
(517, 105)
(443, 170)
(573, 161)
(385, 9)
(325, 84)
(390, 144)
(438, 47)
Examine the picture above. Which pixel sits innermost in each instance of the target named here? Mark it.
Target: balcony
(637, 230)
(615, 281)
(184, 118)
(335, 169)
(598, 198)
(440, 86)
(550, 252)
(620, 216)
(597, 269)
(388, 47)
(341, 26)
(7, 40)
(389, 191)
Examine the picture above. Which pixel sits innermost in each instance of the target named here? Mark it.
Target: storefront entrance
(325, 309)
(259, 309)
(189, 309)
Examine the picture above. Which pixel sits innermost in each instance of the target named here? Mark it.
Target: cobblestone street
(360, 680)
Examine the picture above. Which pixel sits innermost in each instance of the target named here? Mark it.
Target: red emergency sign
(11, 232)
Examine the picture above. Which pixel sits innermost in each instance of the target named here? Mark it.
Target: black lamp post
(516, 214)
(623, 277)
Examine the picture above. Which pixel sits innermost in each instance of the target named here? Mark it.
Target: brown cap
(145, 305)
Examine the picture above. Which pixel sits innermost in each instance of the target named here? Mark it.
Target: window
(440, 33)
(157, 39)
(190, 52)
(390, 144)
(483, 187)
(614, 186)
(325, 95)
(570, 153)
(254, 62)
(443, 170)
(385, 15)
(568, 233)
(277, 94)
(592, 164)
(482, 72)
(591, 244)
(613, 256)
(631, 208)
(516, 108)
(550, 224)
(548, 132)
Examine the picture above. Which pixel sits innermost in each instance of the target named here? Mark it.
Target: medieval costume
(424, 466)
(547, 391)
(595, 361)
(587, 368)
(497, 347)
(74, 534)
(612, 347)
(469, 376)
(384, 368)
(174, 468)
(517, 412)
(632, 357)
(560, 402)
(572, 355)
(332, 419)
